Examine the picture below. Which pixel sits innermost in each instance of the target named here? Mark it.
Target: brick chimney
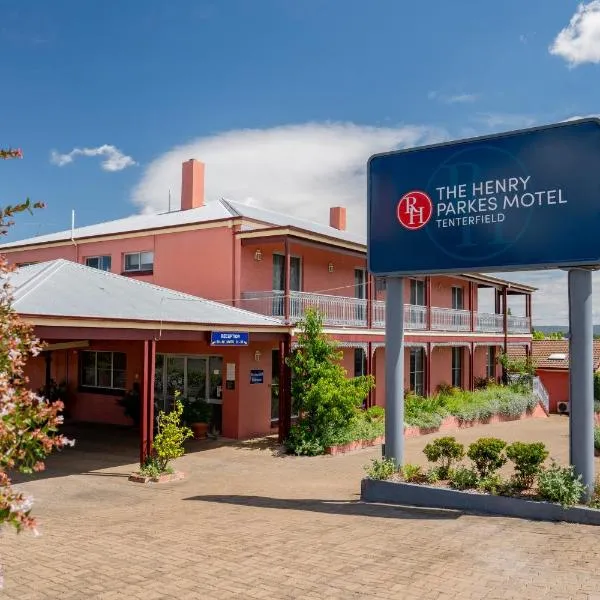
(337, 217)
(192, 184)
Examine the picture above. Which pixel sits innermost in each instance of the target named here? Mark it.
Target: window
(417, 292)
(360, 362)
(104, 370)
(417, 371)
(98, 262)
(457, 298)
(193, 376)
(491, 363)
(457, 374)
(139, 261)
(380, 284)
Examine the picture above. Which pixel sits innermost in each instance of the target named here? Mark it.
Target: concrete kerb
(409, 494)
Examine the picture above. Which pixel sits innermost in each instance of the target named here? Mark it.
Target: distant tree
(538, 335)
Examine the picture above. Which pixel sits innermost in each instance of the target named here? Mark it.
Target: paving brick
(248, 524)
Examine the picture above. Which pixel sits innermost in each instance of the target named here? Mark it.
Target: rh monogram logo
(414, 210)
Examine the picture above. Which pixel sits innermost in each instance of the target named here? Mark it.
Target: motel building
(205, 300)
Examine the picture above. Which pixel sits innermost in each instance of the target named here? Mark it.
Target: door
(279, 284)
(360, 292)
(174, 380)
(274, 386)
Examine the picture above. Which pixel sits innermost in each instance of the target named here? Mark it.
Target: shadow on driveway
(351, 508)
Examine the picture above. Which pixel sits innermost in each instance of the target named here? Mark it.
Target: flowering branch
(29, 424)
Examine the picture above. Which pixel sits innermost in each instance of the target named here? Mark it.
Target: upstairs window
(417, 292)
(138, 261)
(458, 298)
(99, 262)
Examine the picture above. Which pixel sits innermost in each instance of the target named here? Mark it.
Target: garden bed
(162, 478)
(421, 495)
(447, 424)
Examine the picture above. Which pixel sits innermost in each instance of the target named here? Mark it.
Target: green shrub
(381, 468)
(152, 468)
(492, 484)
(528, 459)
(375, 414)
(559, 484)
(597, 438)
(434, 475)
(446, 451)
(463, 478)
(413, 474)
(488, 455)
(302, 442)
(426, 413)
(168, 443)
(597, 386)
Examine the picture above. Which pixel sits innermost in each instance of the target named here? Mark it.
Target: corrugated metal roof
(61, 288)
(211, 211)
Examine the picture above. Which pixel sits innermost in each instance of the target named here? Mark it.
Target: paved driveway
(247, 524)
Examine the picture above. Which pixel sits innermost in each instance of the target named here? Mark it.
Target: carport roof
(67, 290)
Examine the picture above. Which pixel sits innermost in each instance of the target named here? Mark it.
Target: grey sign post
(394, 369)
(484, 205)
(581, 382)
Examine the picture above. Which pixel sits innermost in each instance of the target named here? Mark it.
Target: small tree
(28, 422)
(447, 451)
(168, 442)
(326, 399)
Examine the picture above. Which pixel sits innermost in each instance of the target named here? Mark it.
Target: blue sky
(320, 84)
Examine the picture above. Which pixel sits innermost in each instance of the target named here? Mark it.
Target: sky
(284, 101)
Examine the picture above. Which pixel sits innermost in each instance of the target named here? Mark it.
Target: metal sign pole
(394, 370)
(581, 381)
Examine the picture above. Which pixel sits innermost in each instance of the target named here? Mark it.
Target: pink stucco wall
(556, 382)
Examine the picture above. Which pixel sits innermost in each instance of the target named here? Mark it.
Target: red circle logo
(414, 210)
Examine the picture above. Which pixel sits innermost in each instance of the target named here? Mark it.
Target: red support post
(428, 370)
(370, 287)
(280, 420)
(150, 410)
(505, 317)
(472, 367)
(370, 372)
(287, 425)
(472, 304)
(286, 279)
(144, 408)
(428, 294)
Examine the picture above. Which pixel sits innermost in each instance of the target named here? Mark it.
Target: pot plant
(196, 415)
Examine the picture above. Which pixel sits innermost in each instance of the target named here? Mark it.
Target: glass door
(174, 380)
(196, 378)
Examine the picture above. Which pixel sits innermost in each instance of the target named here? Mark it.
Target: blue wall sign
(229, 338)
(527, 199)
(257, 376)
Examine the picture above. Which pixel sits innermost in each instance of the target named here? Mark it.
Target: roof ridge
(183, 295)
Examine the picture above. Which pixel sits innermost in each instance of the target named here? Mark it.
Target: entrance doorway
(274, 387)
(198, 377)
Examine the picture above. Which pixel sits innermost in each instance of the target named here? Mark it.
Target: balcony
(343, 311)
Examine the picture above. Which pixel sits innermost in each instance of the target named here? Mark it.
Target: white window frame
(417, 376)
(491, 362)
(418, 287)
(458, 352)
(458, 292)
(101, 258)
(112, 370)
(140, 262)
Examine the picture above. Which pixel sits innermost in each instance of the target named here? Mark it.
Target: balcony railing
(343, 311)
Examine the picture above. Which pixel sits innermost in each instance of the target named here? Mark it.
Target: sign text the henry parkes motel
(509, 202)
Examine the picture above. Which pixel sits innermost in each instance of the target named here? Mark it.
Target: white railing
(519, 324)
(490, 323)
(352, 312)
(336, 310)
(448, 319)
(542, 393)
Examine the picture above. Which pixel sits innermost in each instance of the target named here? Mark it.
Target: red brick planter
(448, 424)
(164, 478)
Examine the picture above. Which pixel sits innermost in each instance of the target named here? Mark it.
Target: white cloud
(113, 158)
(456, 99)
(579, 41)
(300, 170)
(504, 121)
